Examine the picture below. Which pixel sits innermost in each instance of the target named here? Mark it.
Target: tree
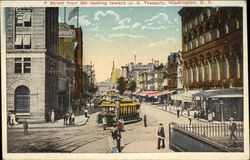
(121, 85)
(132, 86)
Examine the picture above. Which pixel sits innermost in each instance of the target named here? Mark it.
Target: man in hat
(25, 126)
(161, 136)
(232, 129)
(52, 116)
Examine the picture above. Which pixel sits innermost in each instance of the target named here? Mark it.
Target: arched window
(186, 75)
(190, 25)
(22, 99)
(195, 21)
(185, 47)
(209, 36)
(209, 77)
(196, 42)
(226, 29)
(201, 39)
(195, 74)
(238, 68)
(190, 75)
(226, 68)
(217, 33)
(190, 45)
(217, 71)
(201, 72)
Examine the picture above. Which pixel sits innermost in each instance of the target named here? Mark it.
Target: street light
(117, 107)
(222, 112)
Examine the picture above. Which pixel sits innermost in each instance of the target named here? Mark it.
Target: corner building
(212, 44)
(212, 47)
(31, 58)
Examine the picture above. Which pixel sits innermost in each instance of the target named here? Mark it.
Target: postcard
(124, 79)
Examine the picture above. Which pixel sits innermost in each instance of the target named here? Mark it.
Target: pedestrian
(118, 139)
(86, 113)
(232, 129)
(65, 119)
(52, 116)
(13, 119)
(190, 120)
(104, 122)
(70, 119)
(145, 120)
(199, 114)
(161, 136)
(178, 113)
(25, 127)
(73, 119)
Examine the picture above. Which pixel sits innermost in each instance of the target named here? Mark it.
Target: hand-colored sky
(119, 33)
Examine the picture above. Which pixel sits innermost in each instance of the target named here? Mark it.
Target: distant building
(174, 70)
(136, 70)
(32, 61)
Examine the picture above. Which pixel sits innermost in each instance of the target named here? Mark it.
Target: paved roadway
(91, 138)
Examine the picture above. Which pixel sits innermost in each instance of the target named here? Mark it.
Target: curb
(201, 120)
(64, 126)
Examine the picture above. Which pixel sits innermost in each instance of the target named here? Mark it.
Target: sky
(118, 33)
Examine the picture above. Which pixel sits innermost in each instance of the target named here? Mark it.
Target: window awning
(19, 39)
(145, 93)
(26, 40)
(221, 93)
(161, 93)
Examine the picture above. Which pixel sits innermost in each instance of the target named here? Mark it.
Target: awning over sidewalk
(185, 96)
(161, 93)
(221, 93)
(145, 93)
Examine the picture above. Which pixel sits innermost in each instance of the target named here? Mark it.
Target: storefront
(221, 105)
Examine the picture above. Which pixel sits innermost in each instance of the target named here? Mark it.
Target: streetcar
(129, 110)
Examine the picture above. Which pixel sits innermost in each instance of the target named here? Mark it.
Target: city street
(91, 138)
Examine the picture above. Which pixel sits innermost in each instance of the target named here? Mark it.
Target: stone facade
(32, 48)
(212, 47)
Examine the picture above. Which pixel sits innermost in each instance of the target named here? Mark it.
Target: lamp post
(118, 139)
(222, 110)
(117, 107)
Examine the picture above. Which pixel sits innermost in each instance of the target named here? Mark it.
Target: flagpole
(77, 16)
(64, 14)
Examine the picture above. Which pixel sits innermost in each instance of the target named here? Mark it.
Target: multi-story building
(70, 44)
(212, 47)
(78, 64)
(32, 61)
(174, 70)
(159, 75)
(212, 44)
(135, 70)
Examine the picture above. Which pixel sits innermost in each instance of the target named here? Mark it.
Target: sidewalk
(79, 120)
(173, 110)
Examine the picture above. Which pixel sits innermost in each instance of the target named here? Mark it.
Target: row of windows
(23, 41)
(22, 65)
(23, 17)
(206, 37)
(206, 71)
